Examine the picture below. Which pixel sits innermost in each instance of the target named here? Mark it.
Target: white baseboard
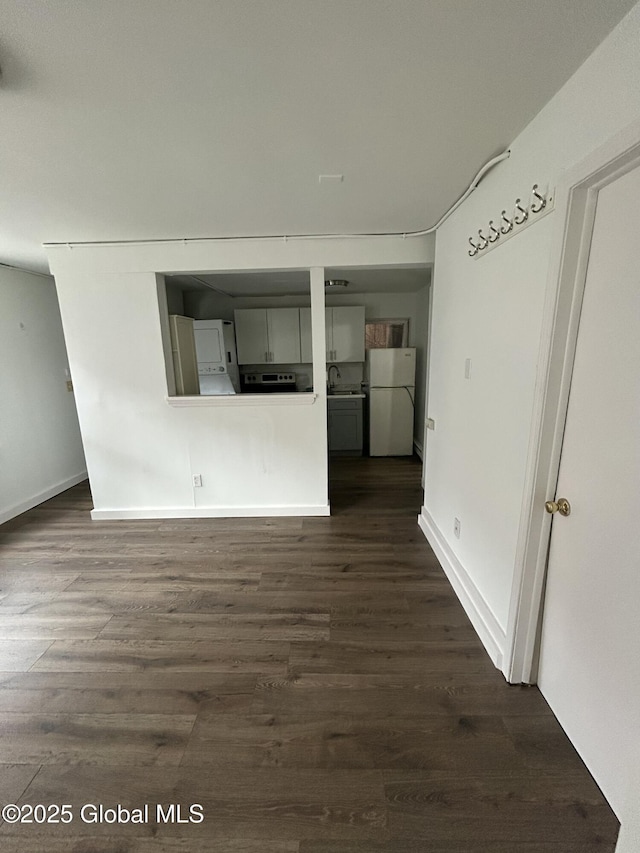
(41, 497)
(487, 627)
(209, 512)
(417, 446)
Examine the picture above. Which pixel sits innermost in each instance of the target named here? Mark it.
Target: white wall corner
(482, 618)
(35, 500)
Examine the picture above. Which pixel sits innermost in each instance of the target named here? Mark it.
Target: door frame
(576, 198)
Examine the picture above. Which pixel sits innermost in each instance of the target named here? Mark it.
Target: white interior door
(590, 644)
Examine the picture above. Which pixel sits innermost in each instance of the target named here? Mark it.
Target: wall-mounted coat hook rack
(540, 204)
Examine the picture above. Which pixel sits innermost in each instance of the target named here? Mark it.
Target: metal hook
(508, 223)
(483, 240)
(474, 249)
(494, 233)
(539, 198)
(523, 211)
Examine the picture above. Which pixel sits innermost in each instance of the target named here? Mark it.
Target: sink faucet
(337, 376)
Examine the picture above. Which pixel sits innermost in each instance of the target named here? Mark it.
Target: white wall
(40, 447)
(490, 310)
(142, 452)
(175, 299)
(421, 342)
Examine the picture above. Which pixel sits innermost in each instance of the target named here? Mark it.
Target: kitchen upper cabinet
(252, 341)
(306, 353)
(268, 335)
(345, 333)
(283, 326)
(345, 336)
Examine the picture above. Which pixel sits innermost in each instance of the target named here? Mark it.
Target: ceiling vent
(336, 284)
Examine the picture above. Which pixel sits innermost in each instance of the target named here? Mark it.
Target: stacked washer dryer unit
(216, 354)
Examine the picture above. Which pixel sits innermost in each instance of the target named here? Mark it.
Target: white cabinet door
(183, 349)
(328, 340)
(284, 335)
(347, 333)
(306, 352)
(251, 335)
(344, 334)
(306, 339)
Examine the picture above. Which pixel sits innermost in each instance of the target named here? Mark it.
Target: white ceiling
(143, 119)
(296, 282)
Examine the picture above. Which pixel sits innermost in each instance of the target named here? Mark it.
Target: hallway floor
(312, 683)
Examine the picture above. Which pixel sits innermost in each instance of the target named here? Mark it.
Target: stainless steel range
(265, 383)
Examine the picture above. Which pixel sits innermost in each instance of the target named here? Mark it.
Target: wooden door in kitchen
(590, 643)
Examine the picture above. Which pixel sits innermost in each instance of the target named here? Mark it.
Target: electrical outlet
(197, 481)
(430, 423)
(456, 527)
(467, 368)
(69, 385)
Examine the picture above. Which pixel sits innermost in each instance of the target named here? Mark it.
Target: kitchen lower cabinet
(344, 334)
(345, 426)
(268, 335)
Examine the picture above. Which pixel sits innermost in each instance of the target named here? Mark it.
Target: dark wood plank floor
(313, 683)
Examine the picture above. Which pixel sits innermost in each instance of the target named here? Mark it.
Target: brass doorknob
(562, 506)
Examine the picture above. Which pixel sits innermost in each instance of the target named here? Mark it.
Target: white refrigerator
(391, 377)
(216, 355)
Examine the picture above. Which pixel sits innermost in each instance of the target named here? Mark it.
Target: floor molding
(482, 618)
(41, 497)
(209, 512)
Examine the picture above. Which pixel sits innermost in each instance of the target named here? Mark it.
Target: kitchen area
(250, 334)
